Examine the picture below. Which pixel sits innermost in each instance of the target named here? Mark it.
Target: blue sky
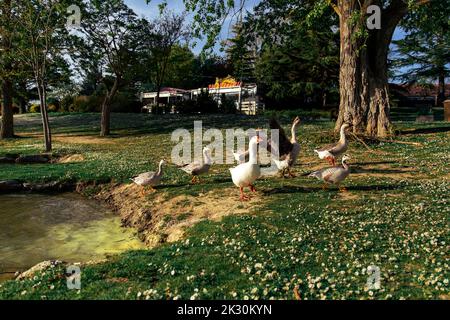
(151, 11)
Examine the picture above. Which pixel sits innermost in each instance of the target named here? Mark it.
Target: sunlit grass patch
(394, 216)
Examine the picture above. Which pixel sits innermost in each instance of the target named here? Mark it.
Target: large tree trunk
(7, 125)
(440, 97)
(352, 108)
(363, 79)
(106, 109)
(44, 115)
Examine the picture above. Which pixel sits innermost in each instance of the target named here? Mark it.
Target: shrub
(186, 107)
(86, 104)
(66, 103)
(228, 106)
(312, 114)
(205, 103)
(122, 102)
(52, 108)
(125, 102)
(35, 108)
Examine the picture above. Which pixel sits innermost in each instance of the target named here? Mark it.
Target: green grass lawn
(395, 216)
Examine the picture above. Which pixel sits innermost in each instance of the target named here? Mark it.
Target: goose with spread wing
(288, 149)
(332, 151)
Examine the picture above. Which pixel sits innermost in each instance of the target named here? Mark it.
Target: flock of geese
(249, 170)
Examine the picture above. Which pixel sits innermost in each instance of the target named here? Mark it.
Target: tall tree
(111, 32)
(42, 44)
(298, 57)
(6, 69)
(423, 55)
(363, 80)
(163, 35)
(241, 53)
(181, 68)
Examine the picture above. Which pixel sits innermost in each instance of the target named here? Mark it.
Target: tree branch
(335, 7)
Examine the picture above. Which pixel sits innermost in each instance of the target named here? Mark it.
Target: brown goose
(334, 175)
(332, 151)
(149, 179)
(196, 168)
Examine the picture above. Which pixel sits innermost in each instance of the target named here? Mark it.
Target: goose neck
(252, 153)
(343, 137)
(293, 133)
(345, 165)
(160, 168)
(206, 157)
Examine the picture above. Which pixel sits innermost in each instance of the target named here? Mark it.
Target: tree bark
(106, 109)
(363, 79)
(440, 97)
(7, 123)
(44, 115)
(353, 73)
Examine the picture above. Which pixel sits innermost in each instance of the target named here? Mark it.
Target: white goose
(245, 174)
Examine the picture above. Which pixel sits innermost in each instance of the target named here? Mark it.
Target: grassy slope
(395, 216)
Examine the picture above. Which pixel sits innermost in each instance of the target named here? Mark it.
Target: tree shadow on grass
(377, 171)
(203, 183)
(291, 189)
(423, 130)
(368, 163)
(171, 186)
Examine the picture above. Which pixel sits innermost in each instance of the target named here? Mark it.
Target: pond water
(68, 227)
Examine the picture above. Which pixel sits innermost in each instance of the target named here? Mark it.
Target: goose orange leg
(331, 161)
(252, 188)
(243, 197)
(195, 179)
